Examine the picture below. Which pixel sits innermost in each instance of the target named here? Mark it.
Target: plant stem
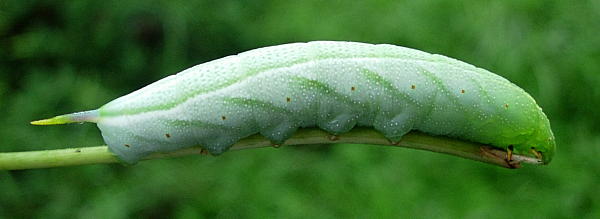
(416, 140)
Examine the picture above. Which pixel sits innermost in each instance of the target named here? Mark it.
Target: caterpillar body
(327, 84)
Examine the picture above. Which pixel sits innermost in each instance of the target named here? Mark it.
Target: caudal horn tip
(52, 121)
(87, 116)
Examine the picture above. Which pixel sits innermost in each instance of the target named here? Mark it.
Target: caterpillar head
(542, 142)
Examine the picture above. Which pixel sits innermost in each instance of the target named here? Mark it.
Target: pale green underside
(332, 85)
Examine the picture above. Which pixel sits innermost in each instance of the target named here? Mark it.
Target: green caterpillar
(331, 85)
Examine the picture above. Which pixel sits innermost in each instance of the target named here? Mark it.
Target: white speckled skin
(331, 85)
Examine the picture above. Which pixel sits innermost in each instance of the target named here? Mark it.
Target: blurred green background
(64, 56)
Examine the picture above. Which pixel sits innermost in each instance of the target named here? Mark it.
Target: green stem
(416, 140)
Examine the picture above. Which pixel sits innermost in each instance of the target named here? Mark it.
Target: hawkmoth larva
(331, 85)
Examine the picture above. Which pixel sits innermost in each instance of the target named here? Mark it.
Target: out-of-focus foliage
(64, 56)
